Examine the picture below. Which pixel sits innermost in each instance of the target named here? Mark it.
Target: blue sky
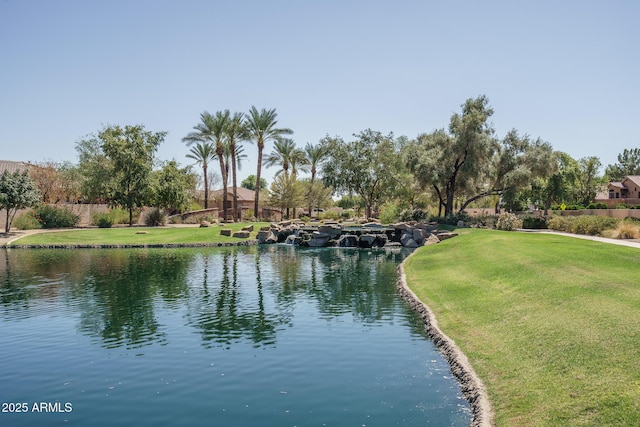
(564, 71)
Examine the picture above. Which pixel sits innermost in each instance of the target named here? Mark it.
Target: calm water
(252, 336)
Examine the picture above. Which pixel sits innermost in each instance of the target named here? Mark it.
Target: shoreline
(472, 387)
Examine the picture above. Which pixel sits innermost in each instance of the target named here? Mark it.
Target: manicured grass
(128, 236)
(550, 323)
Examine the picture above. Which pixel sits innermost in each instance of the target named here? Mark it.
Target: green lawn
(129, 236)
(550, 323)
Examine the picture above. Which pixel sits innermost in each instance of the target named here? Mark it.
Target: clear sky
(565, 71)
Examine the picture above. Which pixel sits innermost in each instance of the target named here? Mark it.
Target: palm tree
(235, 133)
(211, 128)
(287, 155)
(202, 152)
(261, 126)
(315, 155)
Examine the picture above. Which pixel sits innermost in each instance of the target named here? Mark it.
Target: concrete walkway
(634, 243)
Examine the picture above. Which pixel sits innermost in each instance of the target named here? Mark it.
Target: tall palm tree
(202, 153)
(212, 129)
(235, 133)
(288, 156)
(315, 155)
(261, 126)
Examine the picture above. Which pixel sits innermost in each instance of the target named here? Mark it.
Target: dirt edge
(472, 387)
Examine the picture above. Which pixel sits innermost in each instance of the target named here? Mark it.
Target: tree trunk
(206, 186)
(223, 171)
(7, 225)
(130, 217)
(235, 186)
(257, 196)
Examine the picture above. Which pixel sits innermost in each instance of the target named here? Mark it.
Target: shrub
(508, 222)
(121, 216)
(592, 225)
(55, 217)
(534, 222)
(27, 221)
(389, 213)
(626, 230)
(415, 214)
(622, 206)
(483, 221)
(453, 219)
(598, 205)
(102, 220)
(155, 217)
(574, 207)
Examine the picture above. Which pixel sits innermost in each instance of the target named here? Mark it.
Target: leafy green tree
(95, 170)
(316, 195)
(286, 155)
(286, 193)
(17, 191)
(368, 166)
(203, 152)
(70, 181)
(250, 183)
(557, 187)
(174, 187)
(131, 150)
(588, 180)
(628, 164)
(315, 156)
(453, 161)
(261, 126)
(517, 162)
(212, 129)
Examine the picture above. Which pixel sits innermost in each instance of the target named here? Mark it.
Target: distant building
(11, 166)
(626, 191)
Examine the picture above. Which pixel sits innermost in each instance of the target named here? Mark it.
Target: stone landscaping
(369, 235)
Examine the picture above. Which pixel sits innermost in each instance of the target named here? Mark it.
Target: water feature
(251, 336)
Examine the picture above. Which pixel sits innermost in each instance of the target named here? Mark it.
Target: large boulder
(241, 234)
(419, 235)
(431, 240)
(407, 240)
(348, 241)
(319, 240)
(225, 232)
(266, 236)
(333, 230)
(366, 241)
(248, 228)
(445, 235)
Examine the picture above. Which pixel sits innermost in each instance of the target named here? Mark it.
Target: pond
(247, 336)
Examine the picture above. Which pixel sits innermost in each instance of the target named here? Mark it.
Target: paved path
(635, 243)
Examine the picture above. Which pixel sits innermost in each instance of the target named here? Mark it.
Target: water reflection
(231, 295)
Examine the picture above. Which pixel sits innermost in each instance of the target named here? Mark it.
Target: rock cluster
(369, 235)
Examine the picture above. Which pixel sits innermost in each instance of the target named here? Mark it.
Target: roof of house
(633, 178)
(243, 193)
(616, 184)
(11, 166)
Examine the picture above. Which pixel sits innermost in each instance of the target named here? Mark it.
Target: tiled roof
(243, 193)
(633, 178)
(12, 166)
